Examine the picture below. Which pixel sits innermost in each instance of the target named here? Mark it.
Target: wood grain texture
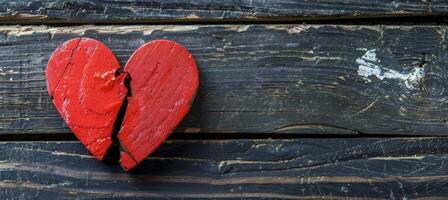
(61, 11)
(381, 168)
(260, 78)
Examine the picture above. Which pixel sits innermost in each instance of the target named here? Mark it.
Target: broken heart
(155, 91)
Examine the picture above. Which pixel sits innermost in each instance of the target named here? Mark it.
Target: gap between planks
(213, 136)
(401, 19)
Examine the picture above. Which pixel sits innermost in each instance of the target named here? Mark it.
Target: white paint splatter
(369, 65)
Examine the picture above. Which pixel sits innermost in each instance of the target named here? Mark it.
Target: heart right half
(163, 83)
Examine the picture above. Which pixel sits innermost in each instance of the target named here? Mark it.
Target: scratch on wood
(291, 28)
(398, 158)
(24, 16)
(239, 28)
(370, 105)
(80, 30)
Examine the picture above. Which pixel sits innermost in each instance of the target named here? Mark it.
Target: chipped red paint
(164, 81)
(81, 79)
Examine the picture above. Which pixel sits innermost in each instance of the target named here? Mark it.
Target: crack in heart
(101, 107)
(65, 68)
(112, 155)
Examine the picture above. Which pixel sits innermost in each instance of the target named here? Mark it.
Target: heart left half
(87, 90)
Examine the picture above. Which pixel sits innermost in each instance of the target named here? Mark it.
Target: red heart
(88, 91)
(81, 79)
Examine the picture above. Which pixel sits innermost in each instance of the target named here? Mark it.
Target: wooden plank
(380, 168)
(89, 11)
(260, 78)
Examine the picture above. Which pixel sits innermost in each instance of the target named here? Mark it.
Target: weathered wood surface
(60, 11)
(382, 168)
(260, 78)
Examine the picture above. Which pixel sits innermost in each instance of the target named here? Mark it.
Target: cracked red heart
(89, 90)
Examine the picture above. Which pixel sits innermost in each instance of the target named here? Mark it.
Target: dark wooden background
(317, 99)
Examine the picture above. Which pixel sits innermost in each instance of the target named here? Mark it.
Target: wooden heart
(83, 83)
(164, 81)
(88, 91)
